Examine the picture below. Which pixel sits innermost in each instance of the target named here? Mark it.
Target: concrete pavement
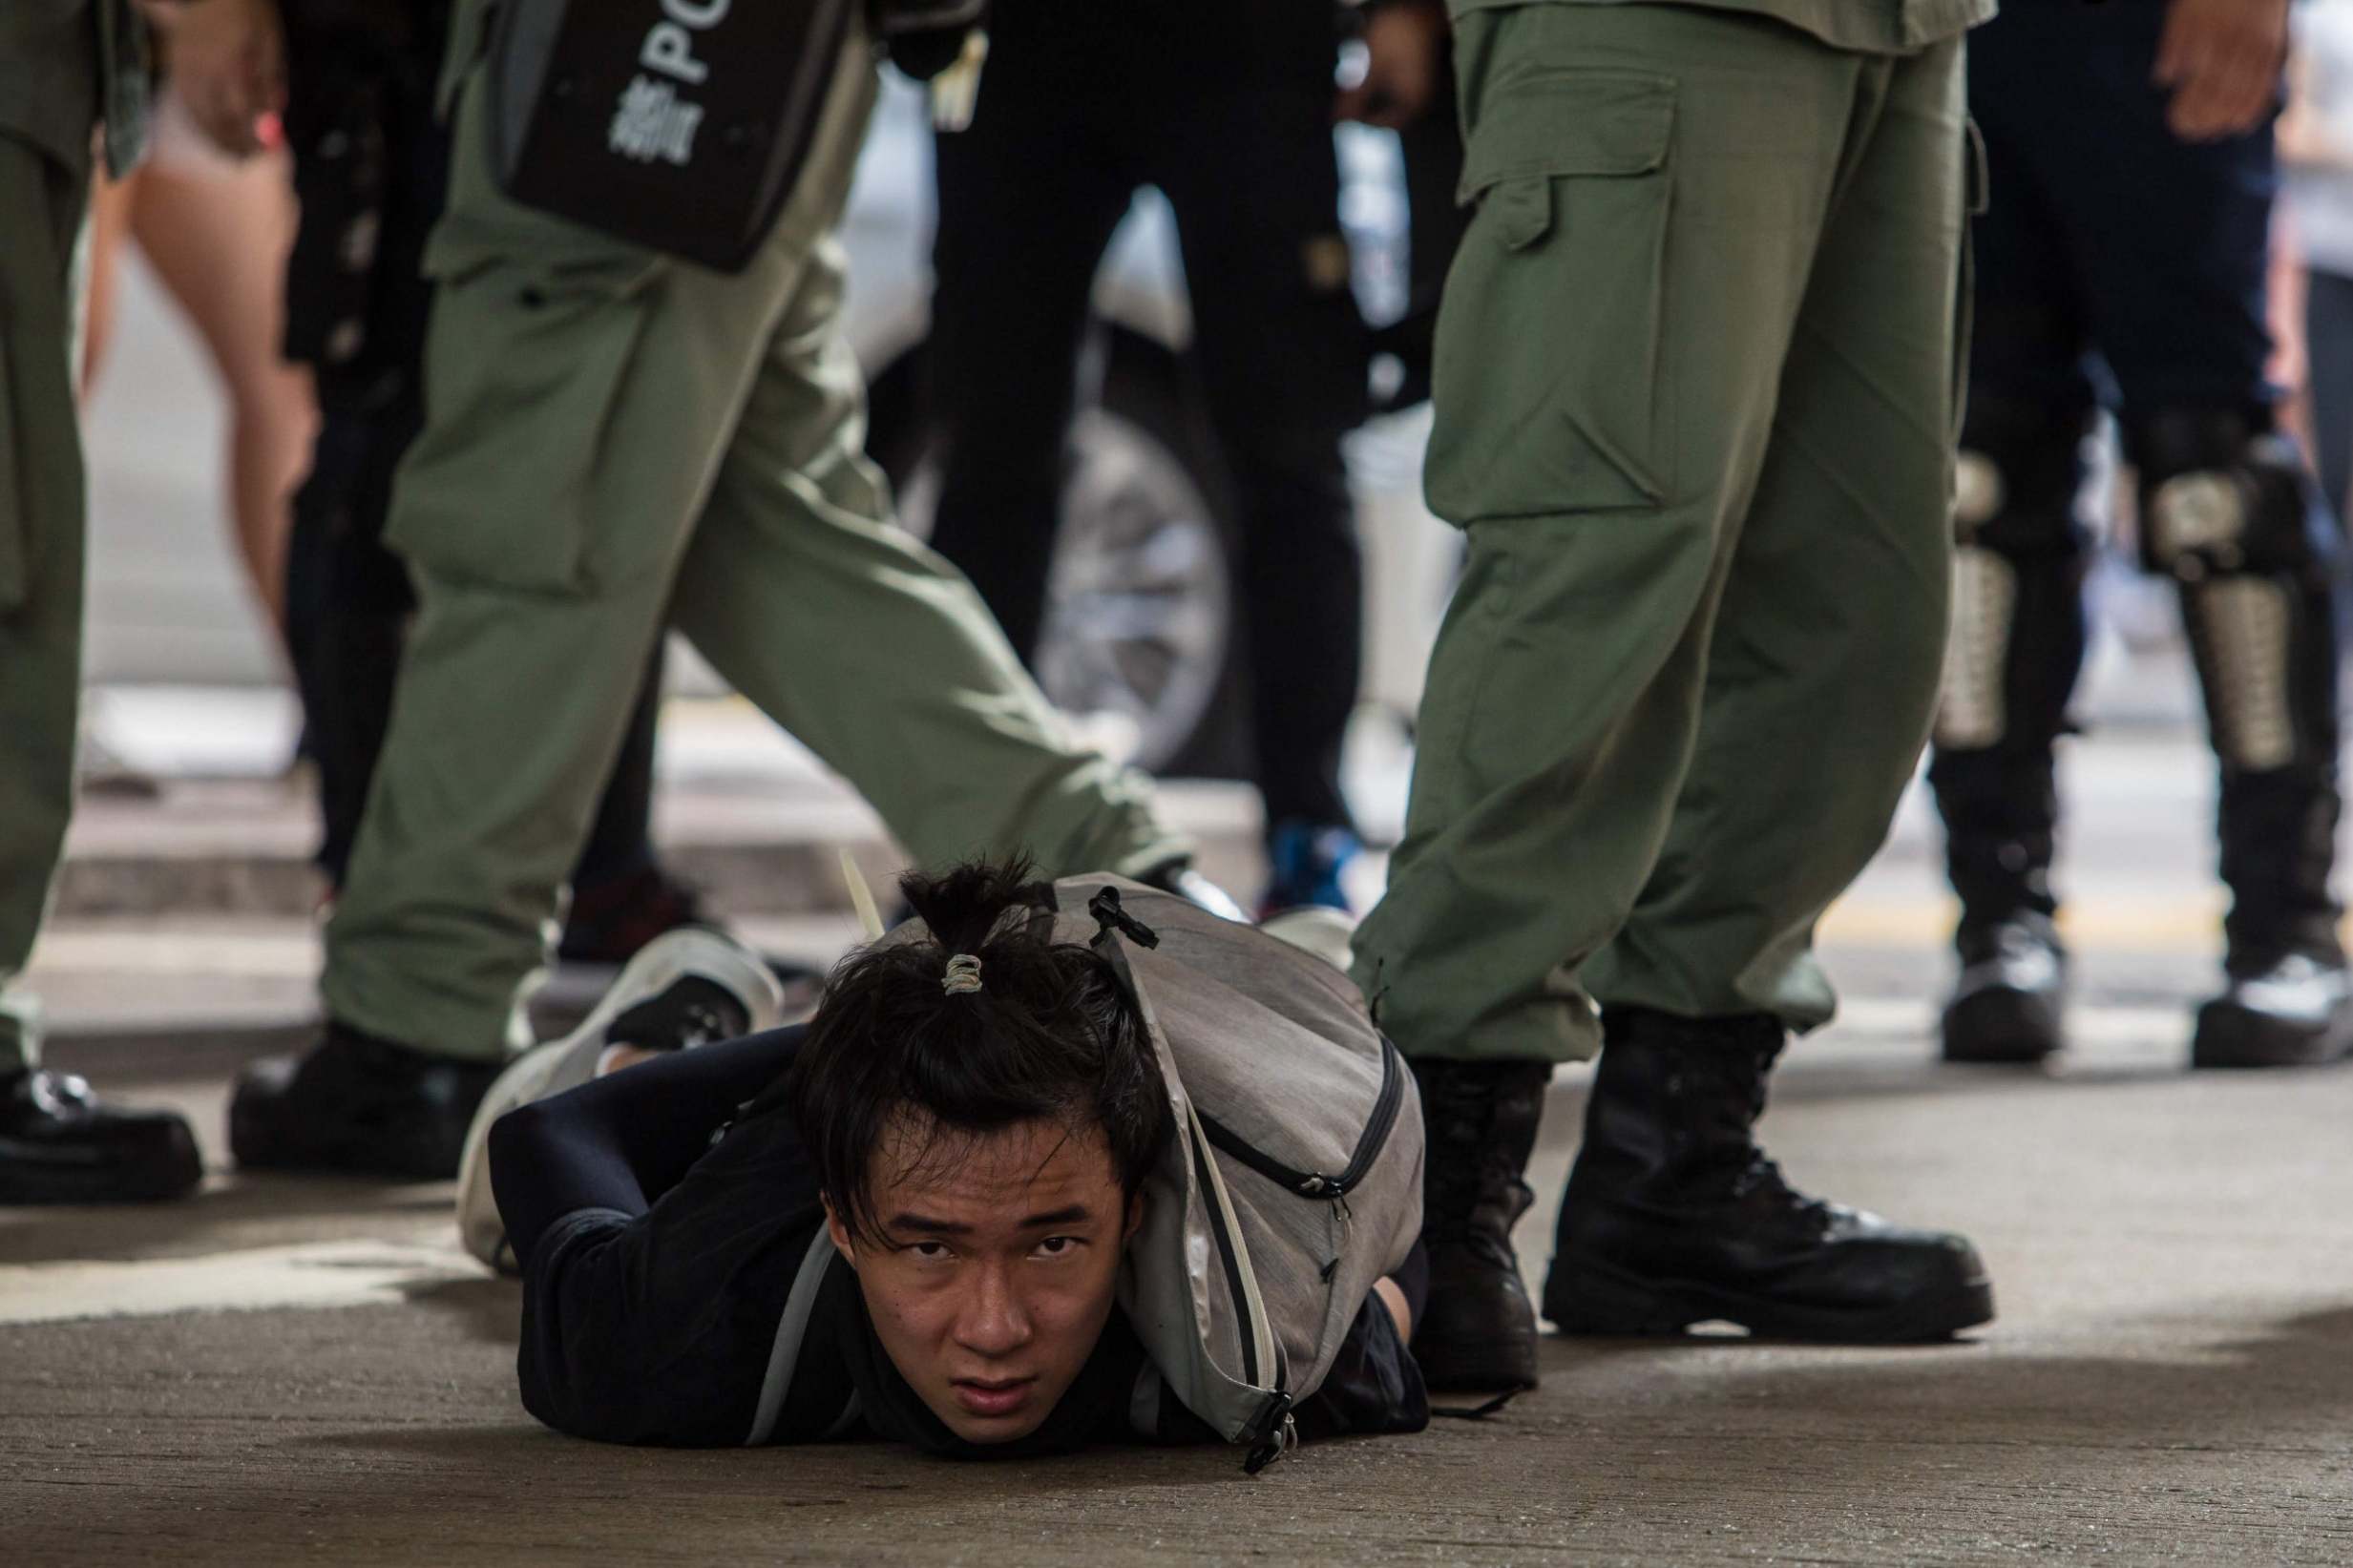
(2170, 1379)
(286, 1372)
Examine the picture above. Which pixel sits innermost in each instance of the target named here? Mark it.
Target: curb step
(242, 847)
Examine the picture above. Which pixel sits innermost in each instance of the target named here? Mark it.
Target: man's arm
(227, 60)
(1403, 42)
(655, 1262)
(2222, 59)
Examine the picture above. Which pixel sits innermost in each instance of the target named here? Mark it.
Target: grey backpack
(1294, 1178)
(1292, 1183)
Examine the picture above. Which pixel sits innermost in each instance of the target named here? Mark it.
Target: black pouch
(678, 125)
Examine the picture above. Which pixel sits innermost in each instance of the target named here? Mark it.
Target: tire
(1139, 628)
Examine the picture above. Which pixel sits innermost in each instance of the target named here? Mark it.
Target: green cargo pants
(41, 546)
(615, 443)
(1696, 392)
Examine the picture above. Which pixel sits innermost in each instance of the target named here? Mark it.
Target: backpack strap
(791, 1329)
(1144, 1401)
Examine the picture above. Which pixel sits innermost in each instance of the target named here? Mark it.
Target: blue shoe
(1307, 861)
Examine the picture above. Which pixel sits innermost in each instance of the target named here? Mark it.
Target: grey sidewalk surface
(284, 1372)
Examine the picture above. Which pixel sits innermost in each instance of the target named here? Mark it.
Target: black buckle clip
(1104, 906)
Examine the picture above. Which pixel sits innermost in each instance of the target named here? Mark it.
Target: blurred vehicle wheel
(1139, 628)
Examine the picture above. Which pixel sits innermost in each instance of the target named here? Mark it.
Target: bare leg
(110, 201)
(218, 239)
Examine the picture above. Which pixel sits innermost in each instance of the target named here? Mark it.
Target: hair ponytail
(977, 1024)
(965, 908)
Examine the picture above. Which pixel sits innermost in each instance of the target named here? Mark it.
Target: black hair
(1051, 1032)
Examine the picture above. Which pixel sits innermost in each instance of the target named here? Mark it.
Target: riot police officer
(67, 68)
(618, 440)
(2121, 265)
(371, 167)
(1695, 390)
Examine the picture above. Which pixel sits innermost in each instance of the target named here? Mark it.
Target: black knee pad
(2017, 632)
(2223, 493)
(2228, 509)
(2018, 476)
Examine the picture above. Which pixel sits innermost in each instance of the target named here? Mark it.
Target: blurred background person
(371, 160)
(1227, 107)
(2123, 264)
(2316, 148)
(215, 229)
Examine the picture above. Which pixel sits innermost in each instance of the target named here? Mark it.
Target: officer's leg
(580, 393)
(56, 1145)
(1029, 196)
(41, 545)
(1820, 680)
(2017, 646)
(349, 601)
(1609, 369)
(2018, 623)
(1284, 355)
(872, 649)
(2229, 510)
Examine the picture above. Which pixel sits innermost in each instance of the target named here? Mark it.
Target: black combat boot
(2287, 999)
(1673, 1216)
(2000, 810)
(359, 1104)
(2232, 513)
(2007, 1005)
(60, 1144)
(1478, 1331)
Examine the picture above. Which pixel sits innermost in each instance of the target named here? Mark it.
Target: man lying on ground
(971, 1115)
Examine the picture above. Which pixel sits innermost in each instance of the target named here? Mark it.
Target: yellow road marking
(2174, 923)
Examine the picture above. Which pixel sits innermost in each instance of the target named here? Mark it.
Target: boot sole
(1587, 1298)
(169, 1172)
(1483, 1366)
(2233, 1037)
(2002, 1028)
(421, 1154)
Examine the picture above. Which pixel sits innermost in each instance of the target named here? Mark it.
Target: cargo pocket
(1548, 375)
(526, 367)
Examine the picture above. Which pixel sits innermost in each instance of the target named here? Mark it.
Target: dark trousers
(2114, 262)
(2329, 351)
(2120, 266)
(1071, 122)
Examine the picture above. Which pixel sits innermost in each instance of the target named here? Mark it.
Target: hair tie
(964, 975)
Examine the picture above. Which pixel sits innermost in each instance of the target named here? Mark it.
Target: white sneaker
(685, 988)
(1327, 934)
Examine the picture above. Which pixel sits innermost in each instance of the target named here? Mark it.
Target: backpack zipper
(1245, 1301)
(1315, 1184)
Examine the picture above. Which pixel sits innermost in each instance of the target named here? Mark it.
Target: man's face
(994, 1273)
